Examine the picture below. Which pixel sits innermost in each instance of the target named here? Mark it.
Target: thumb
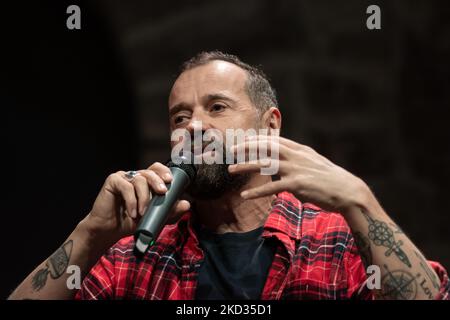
(180, 207)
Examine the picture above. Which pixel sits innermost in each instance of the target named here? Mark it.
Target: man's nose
(198, 123)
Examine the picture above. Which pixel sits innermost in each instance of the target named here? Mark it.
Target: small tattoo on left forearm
(40, 279)
(56, 265)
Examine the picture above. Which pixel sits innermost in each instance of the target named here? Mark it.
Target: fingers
(274, 153)
(142, 192)
(137, 192)
(153, 180)
(156, 182)
(121, 186)
(254, 166)
(181, 206)
(266, 189)
(157, 175)
(138, 196)
(162, 171)
(264, 148)
(281, 141)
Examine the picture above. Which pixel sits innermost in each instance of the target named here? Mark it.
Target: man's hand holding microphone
(118, 211)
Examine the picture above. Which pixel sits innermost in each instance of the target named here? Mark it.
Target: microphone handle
(158, 211)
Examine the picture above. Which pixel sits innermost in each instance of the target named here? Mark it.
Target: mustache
(214, 143)
(211, 150)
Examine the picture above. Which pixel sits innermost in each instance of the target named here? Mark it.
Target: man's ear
(272, 119)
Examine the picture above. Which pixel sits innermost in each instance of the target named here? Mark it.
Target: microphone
(158, 211)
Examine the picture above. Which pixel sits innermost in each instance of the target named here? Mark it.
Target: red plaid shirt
(316, 258)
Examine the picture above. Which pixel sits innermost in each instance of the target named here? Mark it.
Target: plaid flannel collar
(283, 223)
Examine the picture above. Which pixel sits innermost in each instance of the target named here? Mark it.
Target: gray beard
(214, 180)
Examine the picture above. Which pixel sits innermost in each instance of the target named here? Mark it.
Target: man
(311, 234)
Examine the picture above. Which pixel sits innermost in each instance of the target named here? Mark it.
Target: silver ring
(129, 175)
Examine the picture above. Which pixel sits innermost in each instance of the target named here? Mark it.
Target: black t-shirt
(236, 265)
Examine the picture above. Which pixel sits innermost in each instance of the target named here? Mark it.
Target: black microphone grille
(184, 165)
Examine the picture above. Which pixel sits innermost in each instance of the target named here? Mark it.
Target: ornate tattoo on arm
(382, 235)
(363, 244)
(431, 275)
(398, 285)
(56, 265)
(396, 228)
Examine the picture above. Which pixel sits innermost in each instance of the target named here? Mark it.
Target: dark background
(77, 105)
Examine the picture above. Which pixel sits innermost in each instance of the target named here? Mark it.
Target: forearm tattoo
(56, 265)
(431, 275)
(383, 235)
(398, 285)
(402, 285)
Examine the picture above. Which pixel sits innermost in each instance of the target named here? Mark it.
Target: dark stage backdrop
(77, 105)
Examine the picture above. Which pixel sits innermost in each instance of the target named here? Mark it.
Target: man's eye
(179, 119)
(217, 107)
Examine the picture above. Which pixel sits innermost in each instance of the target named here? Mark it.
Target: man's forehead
(218, 76)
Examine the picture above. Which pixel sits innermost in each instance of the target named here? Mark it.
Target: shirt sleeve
(356, 275)
(99, 282)
(444, 291)
(357, 279)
